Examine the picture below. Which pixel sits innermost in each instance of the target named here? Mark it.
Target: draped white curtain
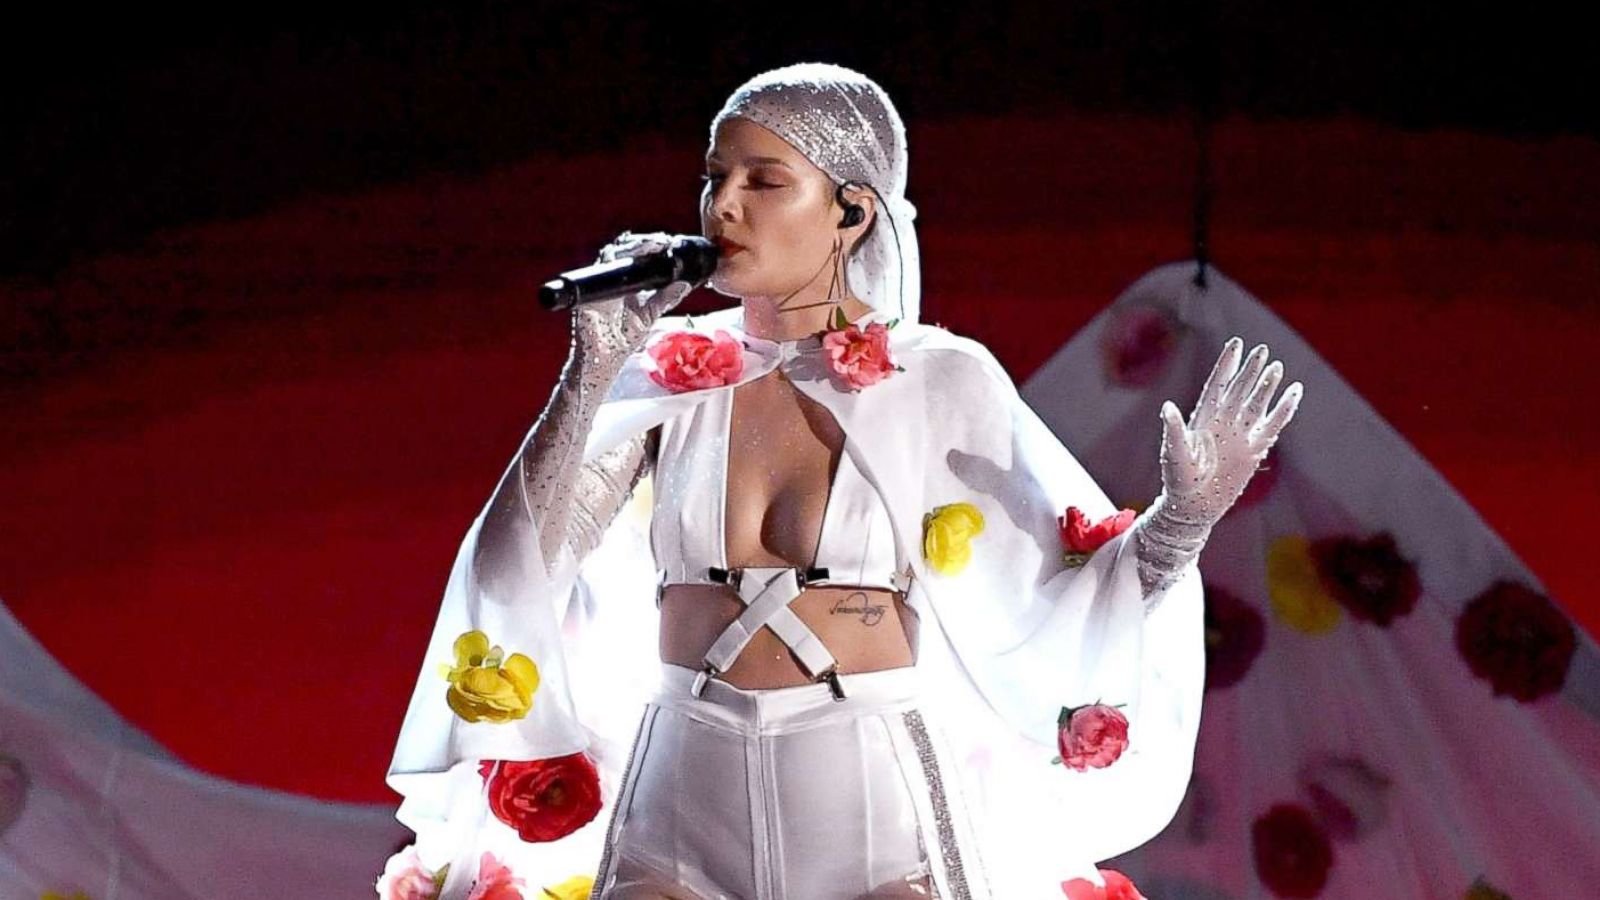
(91, 805)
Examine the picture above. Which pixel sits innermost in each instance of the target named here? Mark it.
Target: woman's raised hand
(604, 334)
(1206, 463)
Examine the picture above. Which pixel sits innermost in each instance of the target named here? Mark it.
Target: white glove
(549, 476)
(605, 334)
(1206, 464)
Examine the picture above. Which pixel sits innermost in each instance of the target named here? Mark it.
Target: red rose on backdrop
(1080, 536)
(1091, 736)
(1292, 855)
(543, 799)
(1137, 344)
(689, 361)
(1261, 482)
(1118, 887)
(860, 358)
(1517, 640)
(1235, 632)
(1369, 578)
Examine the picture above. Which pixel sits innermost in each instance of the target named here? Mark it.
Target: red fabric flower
(1118, 887)
(1369, 578)
(690, 361)
(860, 358)
(1517, 640)
(1292, 855)
(1079, 535)
(544, 799)
(1235, 633)
(1092, 736)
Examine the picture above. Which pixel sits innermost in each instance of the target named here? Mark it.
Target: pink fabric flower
(1092, 736)
(1349, 797)
(689, 361)
(406, 878)
(860, 358)
(1118, 887)
(1079, 535)
(495, 881)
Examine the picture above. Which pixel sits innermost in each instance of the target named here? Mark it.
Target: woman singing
(869, 631)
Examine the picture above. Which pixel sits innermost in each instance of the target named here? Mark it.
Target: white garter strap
(767, 592)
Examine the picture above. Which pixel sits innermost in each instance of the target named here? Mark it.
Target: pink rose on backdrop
(690, 361)
(1350, 798)
(1118, 887)
(495, 881)
(1137, 345)
(1092, 736)
(406, 878)
(13, 791)
(860, 358)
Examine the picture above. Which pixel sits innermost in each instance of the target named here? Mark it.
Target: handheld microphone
(691, 258)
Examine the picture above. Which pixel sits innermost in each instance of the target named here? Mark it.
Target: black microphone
(691, 258)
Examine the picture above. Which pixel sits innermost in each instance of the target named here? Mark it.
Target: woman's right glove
(605, 334)
(549, 478)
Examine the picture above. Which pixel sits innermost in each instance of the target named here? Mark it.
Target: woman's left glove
(1206, 463)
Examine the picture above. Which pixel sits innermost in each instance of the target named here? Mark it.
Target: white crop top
(688, 533)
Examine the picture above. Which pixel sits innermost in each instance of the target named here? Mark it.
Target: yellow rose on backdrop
(488, 686)
(947, 534)
(52, 895)
(1295, 590)
(578, 887)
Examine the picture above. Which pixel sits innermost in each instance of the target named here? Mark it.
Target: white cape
(1005, 644)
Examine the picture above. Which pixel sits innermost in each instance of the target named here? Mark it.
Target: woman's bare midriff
(783, 452)
(866, 629)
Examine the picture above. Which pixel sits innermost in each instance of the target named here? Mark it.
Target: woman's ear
(868, 201)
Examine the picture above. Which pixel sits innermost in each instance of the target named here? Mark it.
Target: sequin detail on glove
(604, 335)
(1206, 463)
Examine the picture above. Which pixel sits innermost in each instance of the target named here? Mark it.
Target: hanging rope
(1203, 63)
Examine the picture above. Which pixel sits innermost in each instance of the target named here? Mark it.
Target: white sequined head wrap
(846, 125)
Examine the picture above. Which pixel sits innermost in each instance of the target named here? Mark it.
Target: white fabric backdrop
(1432, 779)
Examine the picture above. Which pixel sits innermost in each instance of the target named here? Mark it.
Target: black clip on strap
(726, 576)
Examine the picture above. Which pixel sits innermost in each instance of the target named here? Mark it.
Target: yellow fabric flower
(947, 535)
(1296, 591)
(52, 895)
(578, 887)
(488, 686)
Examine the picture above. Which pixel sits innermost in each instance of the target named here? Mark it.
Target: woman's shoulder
(944, 354)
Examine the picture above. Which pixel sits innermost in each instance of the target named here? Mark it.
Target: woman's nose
(722, 204)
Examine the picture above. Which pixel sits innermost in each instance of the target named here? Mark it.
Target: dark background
(120, 120)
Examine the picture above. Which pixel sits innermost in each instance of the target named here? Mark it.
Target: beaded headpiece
(845, 124)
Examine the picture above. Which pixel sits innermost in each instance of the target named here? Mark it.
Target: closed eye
(758, 185)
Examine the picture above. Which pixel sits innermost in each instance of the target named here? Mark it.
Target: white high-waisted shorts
(789, 794)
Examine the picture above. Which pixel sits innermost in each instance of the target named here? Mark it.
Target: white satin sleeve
(1035, 635)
